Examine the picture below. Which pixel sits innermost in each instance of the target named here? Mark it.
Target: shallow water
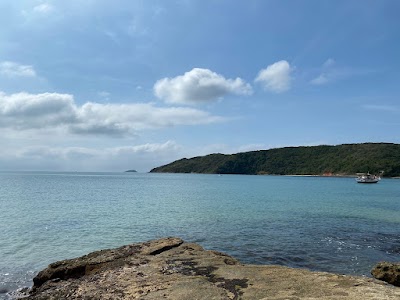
(326, 224)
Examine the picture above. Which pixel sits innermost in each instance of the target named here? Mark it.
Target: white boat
(367, 178)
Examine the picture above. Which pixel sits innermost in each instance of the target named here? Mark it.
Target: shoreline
(170, 268)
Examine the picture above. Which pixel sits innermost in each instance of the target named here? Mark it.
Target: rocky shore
(169, 268)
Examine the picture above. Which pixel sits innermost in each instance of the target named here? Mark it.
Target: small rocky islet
(170, 268)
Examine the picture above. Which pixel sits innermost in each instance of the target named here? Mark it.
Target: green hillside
(347, 159)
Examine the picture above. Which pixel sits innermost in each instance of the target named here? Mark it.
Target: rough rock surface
(171, 269)
(386, 271)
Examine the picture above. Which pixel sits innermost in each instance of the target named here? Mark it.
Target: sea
(318, 223)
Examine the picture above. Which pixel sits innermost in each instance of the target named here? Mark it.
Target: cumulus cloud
(59, 111)
(25, 111)
(125, 118)
(12, 69)
(276, 77)
(199, 86)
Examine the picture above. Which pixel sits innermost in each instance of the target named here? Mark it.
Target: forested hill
(347, 159)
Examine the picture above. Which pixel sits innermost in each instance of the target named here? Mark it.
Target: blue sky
(115, 85)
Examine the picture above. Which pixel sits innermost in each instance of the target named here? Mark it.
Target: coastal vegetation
(340, 160)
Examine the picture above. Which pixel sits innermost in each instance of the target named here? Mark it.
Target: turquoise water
(328, 224)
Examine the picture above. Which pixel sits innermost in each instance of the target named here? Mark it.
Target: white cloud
(43, 8)
(140, 157)
(13, 69)
(73, 152)
(276, 77)
(24, 111)
(327, 74)
(199, 86)
(321, 79)
(145, 148)
(39, 10)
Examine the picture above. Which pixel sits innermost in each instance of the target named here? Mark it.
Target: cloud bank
(24, 111)
(139, 157)
(199, 86)
(276, 77)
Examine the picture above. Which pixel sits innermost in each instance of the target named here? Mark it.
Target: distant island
(324, 160)
(131, 171)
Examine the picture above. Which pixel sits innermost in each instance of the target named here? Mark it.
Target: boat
(367, 178)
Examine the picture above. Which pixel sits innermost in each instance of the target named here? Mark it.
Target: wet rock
(386, 271)
(172, 269)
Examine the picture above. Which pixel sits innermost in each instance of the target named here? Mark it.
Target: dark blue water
(325, 224)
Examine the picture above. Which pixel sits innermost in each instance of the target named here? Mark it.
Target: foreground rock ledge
(172, 269)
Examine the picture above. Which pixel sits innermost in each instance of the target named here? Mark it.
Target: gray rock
(171, 269)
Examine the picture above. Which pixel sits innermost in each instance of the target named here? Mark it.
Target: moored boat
(367, 178)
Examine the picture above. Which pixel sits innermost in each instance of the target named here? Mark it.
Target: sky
(128, 84)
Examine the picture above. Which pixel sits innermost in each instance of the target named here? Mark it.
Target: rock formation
(386, 271)
(172, 269)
